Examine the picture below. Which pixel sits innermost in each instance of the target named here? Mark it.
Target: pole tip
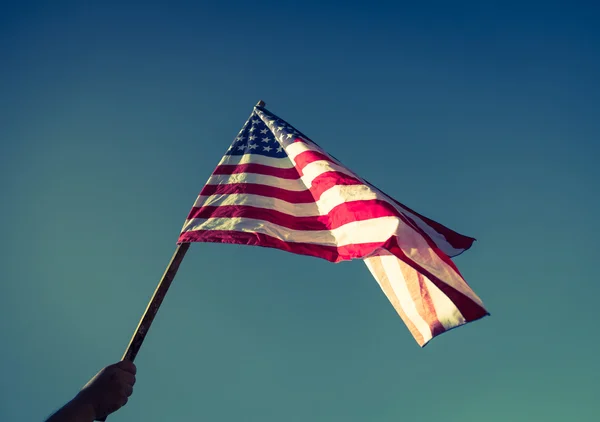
(260, 103)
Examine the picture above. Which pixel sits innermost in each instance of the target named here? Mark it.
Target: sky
(480, 115)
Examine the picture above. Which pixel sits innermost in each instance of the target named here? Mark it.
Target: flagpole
(159, 294)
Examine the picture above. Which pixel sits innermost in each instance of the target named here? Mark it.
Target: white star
(241, 147)
(255, 121)
(280, 149)
(252, 137)
(265, 130)
(253, 146)
(267, 148)
(279, 127)
(289, 135)
(252, 129)
(266, 139)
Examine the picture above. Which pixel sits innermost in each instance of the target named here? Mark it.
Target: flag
(276, 188)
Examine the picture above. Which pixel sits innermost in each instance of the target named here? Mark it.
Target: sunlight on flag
(276, 188)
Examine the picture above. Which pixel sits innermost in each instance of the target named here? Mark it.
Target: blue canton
(264, 134)
(256, 138)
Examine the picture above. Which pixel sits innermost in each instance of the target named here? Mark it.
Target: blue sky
(482, 117)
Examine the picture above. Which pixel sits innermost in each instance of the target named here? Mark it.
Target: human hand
(109, 390)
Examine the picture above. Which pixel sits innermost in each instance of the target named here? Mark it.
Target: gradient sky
(484, 118)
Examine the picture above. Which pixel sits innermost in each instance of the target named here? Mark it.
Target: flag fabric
(277, 188)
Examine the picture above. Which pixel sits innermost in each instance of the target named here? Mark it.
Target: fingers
(119, 396)
(124, 372)
(126, 366)
(123, 379)
(128, 379)
(127, 390)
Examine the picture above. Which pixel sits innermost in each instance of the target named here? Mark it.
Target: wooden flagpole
(159, 294)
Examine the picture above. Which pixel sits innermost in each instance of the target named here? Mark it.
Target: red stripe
(424, 303)
(381, 275)
(282, 173)
(305, 158)
(344, 213)
(293, 197)
(327, 180)
(456, 240)
(330, 253)
(444, 231)
(468, 308)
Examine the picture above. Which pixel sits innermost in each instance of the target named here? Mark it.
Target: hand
(109, 390)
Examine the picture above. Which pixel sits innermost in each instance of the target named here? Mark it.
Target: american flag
(276, 188)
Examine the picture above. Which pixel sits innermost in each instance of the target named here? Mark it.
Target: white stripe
(313, 170)
(282, 163)
(367, 231)
(447, 313)
(297, 148)
(435, 236)
(380, 274)
(416, 249)
(393, 270)
(438, 239)
(333, 197)
(227, 179)
(297, 210)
